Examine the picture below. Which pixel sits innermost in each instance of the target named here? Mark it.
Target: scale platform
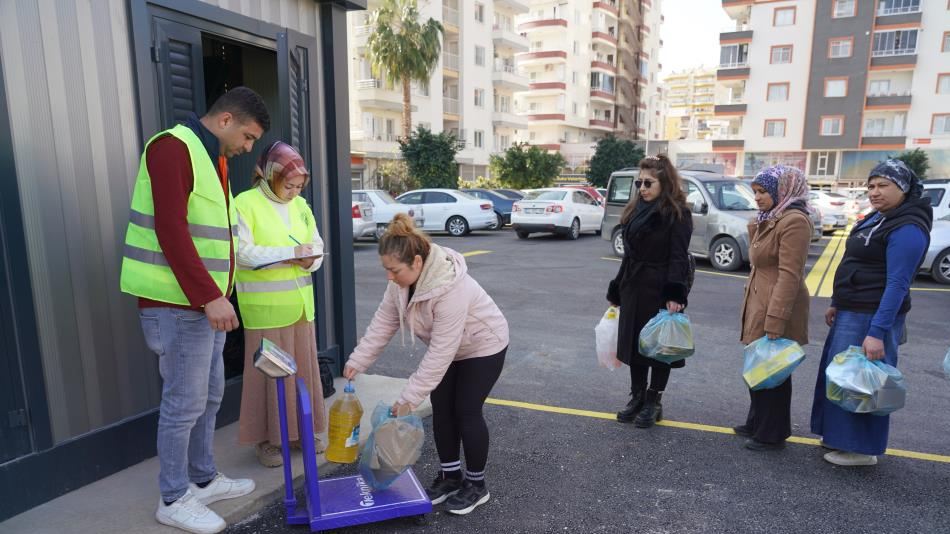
(339, 502)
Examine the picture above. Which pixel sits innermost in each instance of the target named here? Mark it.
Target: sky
(691, 34)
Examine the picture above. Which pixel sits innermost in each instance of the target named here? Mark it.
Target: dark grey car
(722, 207)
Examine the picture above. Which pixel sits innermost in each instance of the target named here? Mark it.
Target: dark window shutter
(180, 71)
(293, 69)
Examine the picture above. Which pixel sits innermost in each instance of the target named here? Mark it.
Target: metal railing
(609, 90)
(370, 83)
(364, 30)
(889, 93)
(450, 61)
(379, 136)
(886, 132)
(894, 52)
(450, 15)
(734, 65)
(501, 66)
(899, 10)
(508, 26)
(536, 18)
(450, 105)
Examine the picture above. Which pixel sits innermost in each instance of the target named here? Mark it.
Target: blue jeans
(192, 369)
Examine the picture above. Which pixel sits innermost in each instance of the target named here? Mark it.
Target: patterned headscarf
(277, 163)
(786, 185)
(898, 172)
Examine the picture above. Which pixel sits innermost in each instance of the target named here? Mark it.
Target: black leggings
(658, 380)
(457, 409)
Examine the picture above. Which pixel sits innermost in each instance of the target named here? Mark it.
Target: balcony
(361, 34)
(547, 88)
(541, 57)
(450, 62)
(609, 6)
(729, 109)
(509, 120)
(602, 35)
(884, 139)
(898, 14)
(603, 65)
(743, 36)
(733, 71)
(899, 58)
(728, 144)
(450, 106)
(450, 17)
(505, 37)
(539, 117)
(517, 6)
(601, 124)
(542, 23)
(506, 75)
(371, 93)
(887, 101)
(602, 94)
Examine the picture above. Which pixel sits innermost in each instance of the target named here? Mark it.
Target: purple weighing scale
(334, 502)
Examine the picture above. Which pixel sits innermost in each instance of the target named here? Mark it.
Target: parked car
(591, 190)
(363, 223)
(563, 211)
(513, 194)
(939, 193)
(451, 210)
(385, 207)
(501, 204)
(722, 207)
(834, 207)
(937, 260)
(602, 191)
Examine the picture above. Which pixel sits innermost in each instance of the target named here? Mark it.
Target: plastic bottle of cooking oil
(345, 415)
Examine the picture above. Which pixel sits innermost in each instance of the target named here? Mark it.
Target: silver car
(722, 207)
(937, 260)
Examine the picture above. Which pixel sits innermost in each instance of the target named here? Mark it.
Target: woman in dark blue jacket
(870, 301)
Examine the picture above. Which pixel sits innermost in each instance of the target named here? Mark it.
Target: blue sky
(691, 34)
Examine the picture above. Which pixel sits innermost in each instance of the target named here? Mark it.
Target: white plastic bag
(605, 334)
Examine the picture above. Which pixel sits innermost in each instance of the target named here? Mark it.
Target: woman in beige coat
(776, 299)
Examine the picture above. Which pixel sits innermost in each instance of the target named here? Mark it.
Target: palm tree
(404, 50)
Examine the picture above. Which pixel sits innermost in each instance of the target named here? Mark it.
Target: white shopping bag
(605, 334)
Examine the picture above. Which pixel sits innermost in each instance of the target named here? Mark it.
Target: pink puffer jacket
(449, 312)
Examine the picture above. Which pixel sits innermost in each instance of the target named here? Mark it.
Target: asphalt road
(561, 472)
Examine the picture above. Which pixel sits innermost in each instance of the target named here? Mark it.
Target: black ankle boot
(630, 412)
(652, 410)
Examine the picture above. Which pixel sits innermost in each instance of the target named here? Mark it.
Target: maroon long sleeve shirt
(169, 167)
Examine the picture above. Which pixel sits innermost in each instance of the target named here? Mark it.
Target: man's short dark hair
(244, 104)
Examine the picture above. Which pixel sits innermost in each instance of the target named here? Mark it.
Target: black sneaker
(442, 488)
(742, 430)
(467, 499)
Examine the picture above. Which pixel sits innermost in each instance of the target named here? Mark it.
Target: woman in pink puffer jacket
(467, 338)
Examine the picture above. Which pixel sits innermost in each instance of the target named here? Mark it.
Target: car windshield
(545, 195)
(508, 194)
(386, 197)
(732, 195)
(463, 194)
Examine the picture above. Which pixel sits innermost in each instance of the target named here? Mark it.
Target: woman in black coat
(657, 225)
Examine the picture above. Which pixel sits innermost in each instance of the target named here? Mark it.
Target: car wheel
(522, 234)
(574, 231)
(380, 230)
(457, 226)
(941, 268)
(617, 241)
(499, 222)
(725, 255)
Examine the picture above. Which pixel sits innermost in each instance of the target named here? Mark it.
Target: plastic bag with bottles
(859, 385)
(667, 337)
(769, 362)
(392, 447)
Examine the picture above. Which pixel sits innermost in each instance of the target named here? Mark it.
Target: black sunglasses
(640, 183)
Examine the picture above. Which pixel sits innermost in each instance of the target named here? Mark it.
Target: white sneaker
(187, 513)
(850, 459)
(222, 487)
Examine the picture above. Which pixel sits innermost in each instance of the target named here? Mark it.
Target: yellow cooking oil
(344, 434)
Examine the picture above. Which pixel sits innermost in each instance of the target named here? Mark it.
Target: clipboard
(264, 265)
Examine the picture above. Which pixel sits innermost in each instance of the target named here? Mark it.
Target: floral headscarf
(786, 185)
(277, 163)
(898, 172)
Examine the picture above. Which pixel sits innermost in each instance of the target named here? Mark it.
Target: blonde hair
(403, 241)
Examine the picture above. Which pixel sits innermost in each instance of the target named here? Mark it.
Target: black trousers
(770, 418)
(457, 409)
(659, 377)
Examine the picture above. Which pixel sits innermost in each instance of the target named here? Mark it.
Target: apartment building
(833, 86)
(470, 93)
(690, 97)
(592, 70)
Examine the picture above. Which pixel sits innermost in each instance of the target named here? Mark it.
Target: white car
(834, 208)
(363, 223)
(557, 210)
(385, 207)
(938, 191)
(451, 210)
(937, 259)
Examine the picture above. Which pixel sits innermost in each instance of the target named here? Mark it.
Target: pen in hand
(295, 240)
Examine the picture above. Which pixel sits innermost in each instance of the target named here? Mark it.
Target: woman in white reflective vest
(277, 239)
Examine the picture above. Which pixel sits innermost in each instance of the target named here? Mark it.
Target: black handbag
(326, 375)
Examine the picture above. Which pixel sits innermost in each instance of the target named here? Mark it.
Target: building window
(940, 124)
(874, 127)
(843, 8)
(532, 136)
(577, 47)
(840, 47)
(479, 98)
(775, 128)
(832, 125)
(777, 92)
(479, 12)
(781, 54)
(879, 88)
(836, 87)
(732, 56)
(537, 46)
(943, 83)
(480, 55)
(822, 164)
(574, 108)
(574, 77)
(894, 43)
(898, 7)
(479, 138)
(783, 16)
(945, 44)
(533, 107)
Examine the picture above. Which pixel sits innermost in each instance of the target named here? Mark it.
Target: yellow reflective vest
(145, 271)
(277, 296)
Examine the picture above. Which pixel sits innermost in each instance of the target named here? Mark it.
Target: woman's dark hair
(245, 105)
(403, 241)
(672, 201)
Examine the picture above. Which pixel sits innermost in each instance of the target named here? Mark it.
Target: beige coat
(776, 299)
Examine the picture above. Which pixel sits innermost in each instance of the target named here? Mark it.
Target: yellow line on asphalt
(610, 259)
(819, 270)
(827, 286)
(697, 426)
(476, 253)
(934, 289)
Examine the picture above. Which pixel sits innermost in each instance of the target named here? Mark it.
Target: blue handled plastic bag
(769, 362)
(394, 444)
(859, 385)
(946, 364)
(667, 337)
